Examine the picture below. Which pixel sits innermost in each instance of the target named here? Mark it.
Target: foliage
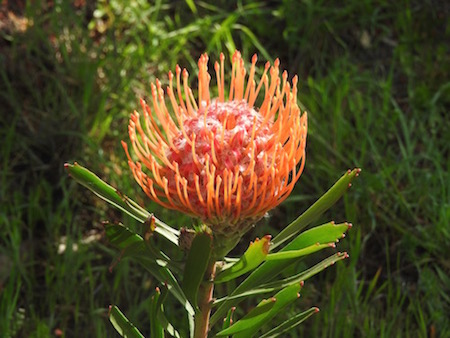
(374, 80)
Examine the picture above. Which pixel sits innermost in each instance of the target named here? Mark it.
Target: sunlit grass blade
(122, 325)
(196, 265)
(111, 195)
(290, 323)
(255, 255)
(317, 209)
(192, 6)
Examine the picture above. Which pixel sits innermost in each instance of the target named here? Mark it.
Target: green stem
(205, 294)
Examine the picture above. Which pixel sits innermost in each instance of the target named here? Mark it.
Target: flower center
(223, 139)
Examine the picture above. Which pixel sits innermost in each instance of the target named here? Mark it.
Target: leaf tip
(151, 223)
(67, 167)
(266, 244)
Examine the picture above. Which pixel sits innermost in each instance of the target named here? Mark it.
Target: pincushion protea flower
(221, 159)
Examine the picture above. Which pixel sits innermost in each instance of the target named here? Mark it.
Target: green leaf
(122, 325)
(318, 208)
(273, 286)
(117, 199)
(290, 323)
(304, 275)
(263, 313)
(255, 255)
(324, 234)
(259, 313)
(169, 328)
(282, 255)
(196, 264)
(156, 329)
(164, 275)
(191, 5)
(133, 245)
(158, 319)
(229, 319)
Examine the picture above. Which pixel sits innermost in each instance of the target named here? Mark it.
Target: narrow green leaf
(158, 316)
(255, 255)
(111, 195)
(196, 265)
(156, 329)
(122, 325)
(282, 255)
(304, 275)
(229, 319)
(163, 295)
(255, 319)
(290, 323)
(192, 6)
(323, 234)
(254, 316)
(283, 299)
(318, 208)
(274, 286)
(134, 246)
(169, 328)
(164, 275)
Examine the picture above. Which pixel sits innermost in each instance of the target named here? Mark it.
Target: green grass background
(374, 77)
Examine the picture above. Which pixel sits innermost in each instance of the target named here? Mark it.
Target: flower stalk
(205, 299)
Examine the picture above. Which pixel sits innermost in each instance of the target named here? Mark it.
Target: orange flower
(221, 160)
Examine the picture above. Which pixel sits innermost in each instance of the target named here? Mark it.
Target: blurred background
(374, 78)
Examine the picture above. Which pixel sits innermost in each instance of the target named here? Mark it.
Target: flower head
(221, 159)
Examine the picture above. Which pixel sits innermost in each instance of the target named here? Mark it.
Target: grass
(374, 79)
